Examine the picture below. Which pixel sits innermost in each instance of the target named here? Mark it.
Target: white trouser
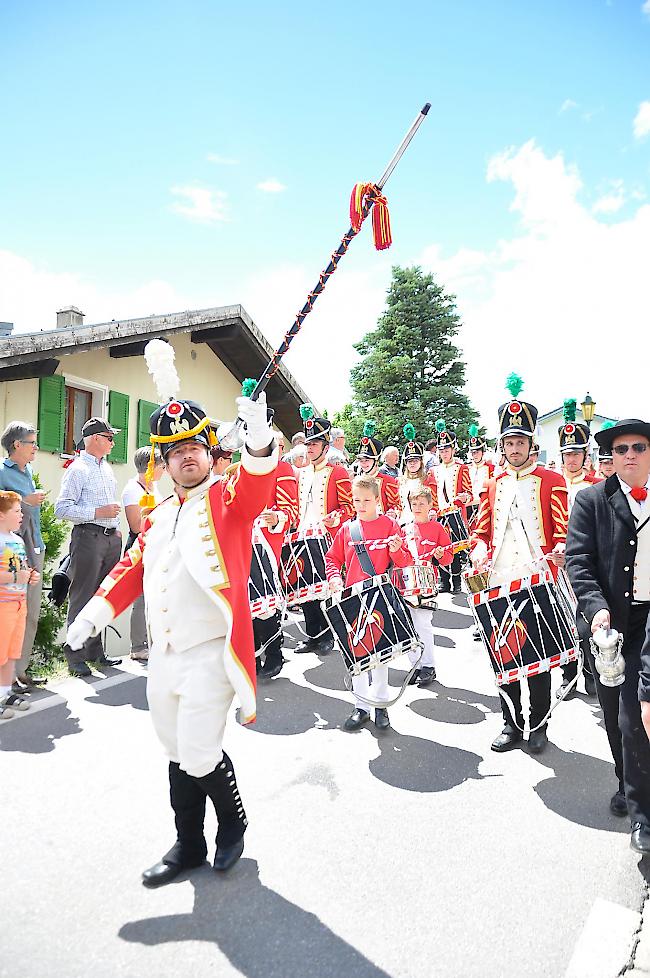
(423, 621)
(372, 685)
(189, 697)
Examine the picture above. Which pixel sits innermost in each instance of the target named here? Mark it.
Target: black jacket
(600, 551)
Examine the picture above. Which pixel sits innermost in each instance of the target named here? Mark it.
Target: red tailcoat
(337, 497)
(217, 552)
(284, 501)
(389, 492)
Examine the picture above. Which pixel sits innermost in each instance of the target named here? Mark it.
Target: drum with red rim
(528, 625)
(454, 524)
(302, 565)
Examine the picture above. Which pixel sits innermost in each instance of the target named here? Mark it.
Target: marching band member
(433, 546)
(368, 458)
(192, 561)
(480, 470)
(523, 515)
(344, 552)
(605, 457)
(325, 499)
(451, 486)
(413, 475)
(574, 444)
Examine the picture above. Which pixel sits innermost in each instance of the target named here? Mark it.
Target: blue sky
(112, 116)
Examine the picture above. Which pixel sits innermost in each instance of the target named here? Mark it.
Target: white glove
(79, 631)
(253, 413)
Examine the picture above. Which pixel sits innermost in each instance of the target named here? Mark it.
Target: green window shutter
(118, 417)
(51, 413)
(145, 410)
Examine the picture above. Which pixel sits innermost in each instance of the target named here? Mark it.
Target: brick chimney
(69, 316)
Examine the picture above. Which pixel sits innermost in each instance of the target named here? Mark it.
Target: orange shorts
(13, 615)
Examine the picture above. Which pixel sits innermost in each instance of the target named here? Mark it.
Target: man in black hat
(88, 498)
(521, 519)
(608, 562)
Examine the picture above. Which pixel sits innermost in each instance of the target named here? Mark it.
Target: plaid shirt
(86, 485)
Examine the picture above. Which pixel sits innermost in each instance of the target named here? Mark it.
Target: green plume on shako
(370, 428)
(569, 409)
(441, 424)
(473, 431)
(514, 384)
(409, 431)
(306, 412)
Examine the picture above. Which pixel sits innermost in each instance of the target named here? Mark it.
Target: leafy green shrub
(48, 651)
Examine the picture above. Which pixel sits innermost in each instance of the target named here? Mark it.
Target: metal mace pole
(233, 439)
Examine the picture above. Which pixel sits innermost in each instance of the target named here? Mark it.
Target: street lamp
(588, 408)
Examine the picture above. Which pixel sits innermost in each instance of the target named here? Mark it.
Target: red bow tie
(639, 494)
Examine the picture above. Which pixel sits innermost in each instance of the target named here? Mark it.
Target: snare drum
(527, 625)
(264, 591)
(454, 524)
(417, 581)
(302, 565)
(371, 624)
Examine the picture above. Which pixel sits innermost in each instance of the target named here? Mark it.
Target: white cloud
(271, 186)
(221, 160)
(646, 8)
(557, 300)
(31, 296)
(642, 121)
(612, 201)
(567, 105)
(202, 205)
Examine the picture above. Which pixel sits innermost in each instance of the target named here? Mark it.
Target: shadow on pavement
(284, 708)
(132, 692)
(580, 790)
(448, 705)
(450, 619)
(414, 764)
(289, 942)
(38, 733)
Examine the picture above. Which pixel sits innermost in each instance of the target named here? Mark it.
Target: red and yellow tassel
(380, 216)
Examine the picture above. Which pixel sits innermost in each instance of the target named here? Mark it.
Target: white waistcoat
(516, 531)
(312, 489)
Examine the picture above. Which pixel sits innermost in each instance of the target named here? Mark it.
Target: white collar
(628, 489)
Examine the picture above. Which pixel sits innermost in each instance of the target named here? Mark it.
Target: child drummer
(373, 526)
(433, 545)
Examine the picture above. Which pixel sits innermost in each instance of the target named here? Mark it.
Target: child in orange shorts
(15, 578)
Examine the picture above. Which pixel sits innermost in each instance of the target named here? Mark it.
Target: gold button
(167, 631)
(163, 588)
(164, 570)
(164, 610)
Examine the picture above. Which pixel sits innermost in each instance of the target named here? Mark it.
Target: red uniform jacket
(223, 528)
(551, 499)
(337, 491)
(462, 483)
(389, 491)
(342, 551)
(284, 502)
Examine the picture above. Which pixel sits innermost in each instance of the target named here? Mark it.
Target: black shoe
(507, 739)
(590, 685)
(308, 646)
(28, 680)
(445, 587)
(324, 646)
(381, 719)
(258, 665)
(537, 741)
(476, 635)
(106, 662)
(456, 587)
(413, 681)
(562, 694)
(356, 719)
(427, 676)
(618, 804)
(640, 838)
(271, 668)
(79, 669)
(227, 857)
(170, 866)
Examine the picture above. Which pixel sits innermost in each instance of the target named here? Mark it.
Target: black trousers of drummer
(539, 692)
(451, 574)
(268, 637)
(315, 624)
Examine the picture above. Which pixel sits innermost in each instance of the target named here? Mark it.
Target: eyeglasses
(25, 441)
(109, 437)
(638, 447)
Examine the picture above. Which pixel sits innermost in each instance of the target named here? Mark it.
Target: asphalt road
(410, 854)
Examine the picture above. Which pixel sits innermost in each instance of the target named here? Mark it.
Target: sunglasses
(638, 447)
(109, 437)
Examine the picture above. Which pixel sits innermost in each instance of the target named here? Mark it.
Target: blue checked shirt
(86, 485)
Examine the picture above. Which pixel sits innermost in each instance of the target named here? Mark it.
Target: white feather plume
(160, 364)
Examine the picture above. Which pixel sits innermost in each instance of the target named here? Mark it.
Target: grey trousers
(33, 614)
(92, 556)
(139, 637)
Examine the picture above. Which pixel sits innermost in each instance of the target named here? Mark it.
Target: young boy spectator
(433, 545)
(373, 526)
(15, 577)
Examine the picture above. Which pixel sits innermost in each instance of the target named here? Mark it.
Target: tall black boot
(221, 788)
(188, 802)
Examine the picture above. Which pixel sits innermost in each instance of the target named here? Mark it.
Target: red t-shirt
(342, 550)
(429, 535)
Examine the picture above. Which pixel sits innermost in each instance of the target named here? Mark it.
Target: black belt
(108, 531)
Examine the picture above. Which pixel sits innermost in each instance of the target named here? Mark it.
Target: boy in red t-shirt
(365, 496)
(433, 545)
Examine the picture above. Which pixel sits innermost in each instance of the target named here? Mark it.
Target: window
(78, 408)
(66, 403)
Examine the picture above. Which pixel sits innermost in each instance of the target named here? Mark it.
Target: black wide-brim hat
(628, 426)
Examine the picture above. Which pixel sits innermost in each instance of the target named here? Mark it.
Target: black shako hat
(180, 420)
(628, 426)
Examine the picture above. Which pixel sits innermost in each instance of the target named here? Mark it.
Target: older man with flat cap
(608, 562)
